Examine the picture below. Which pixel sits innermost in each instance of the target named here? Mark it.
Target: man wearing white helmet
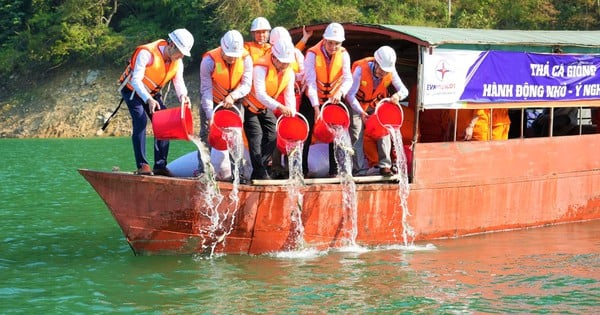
(372, 76)
(272, 76)
(327, 77)
(151, 67)
(280, 33)
(225, 78)
(260, 29)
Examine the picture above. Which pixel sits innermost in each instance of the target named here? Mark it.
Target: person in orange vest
(280, 33)
(151, 67)
(306, 35)
(225, 78)
(259, 46)
(271, 76)
(471, 124)
(372, 76)
(500, 124)
(328, 77)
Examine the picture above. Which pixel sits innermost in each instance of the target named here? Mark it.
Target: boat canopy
(468, 39)
(512, 40)
(484, 68)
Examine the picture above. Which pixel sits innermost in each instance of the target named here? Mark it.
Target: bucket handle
(182, 110)
(297, 114)
(328, 102)
(383, 100)
(237, 110)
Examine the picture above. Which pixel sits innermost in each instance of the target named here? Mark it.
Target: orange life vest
(157, 73)
(256, 50)
(500, 123)
(225, 77)
(329, 75)
(275, 83)
(367, 94)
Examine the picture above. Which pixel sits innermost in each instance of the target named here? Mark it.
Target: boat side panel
(465, 209)
(516, 159)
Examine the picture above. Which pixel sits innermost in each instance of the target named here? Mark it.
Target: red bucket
(173, 123)
(386, 113)
(223, 118)
(331, 115)
(289, 130)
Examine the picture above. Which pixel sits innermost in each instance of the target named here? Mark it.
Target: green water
(62, 252)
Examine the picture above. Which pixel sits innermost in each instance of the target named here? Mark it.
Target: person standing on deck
(151, 67)
(259, 46)
(272, 76)
(371, 78)
(328, 77)
(280, 33)
(225, 78)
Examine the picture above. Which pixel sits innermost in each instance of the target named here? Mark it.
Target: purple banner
(502, 76)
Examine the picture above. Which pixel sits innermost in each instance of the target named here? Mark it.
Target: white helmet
(334, 32)
(386, 58)
(283, 50)
(232, 44)
(279, 33)
(259, 24)
(183, 39)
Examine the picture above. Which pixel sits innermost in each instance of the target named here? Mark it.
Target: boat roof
(471, 39)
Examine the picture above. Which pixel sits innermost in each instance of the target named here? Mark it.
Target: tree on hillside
(40, 35)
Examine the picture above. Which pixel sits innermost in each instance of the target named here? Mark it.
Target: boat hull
(459, 189)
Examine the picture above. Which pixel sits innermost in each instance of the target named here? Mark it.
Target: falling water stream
(222, 216)
(343, 158)
(295, 196)
(408, 233)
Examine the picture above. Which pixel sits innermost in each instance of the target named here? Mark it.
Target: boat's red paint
(459, 188)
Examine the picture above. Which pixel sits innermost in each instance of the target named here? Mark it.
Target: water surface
(62, 252)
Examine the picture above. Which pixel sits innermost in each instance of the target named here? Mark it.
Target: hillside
(72, 103)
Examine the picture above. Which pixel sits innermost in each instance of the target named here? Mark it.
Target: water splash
(221, 216)
(295, 196)
(408, 233)
(343, 158)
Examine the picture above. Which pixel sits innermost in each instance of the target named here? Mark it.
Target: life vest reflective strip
(367, 95)
(328, 74)
(225, 78)
(275, 83)
(157, 73)
(256, 50)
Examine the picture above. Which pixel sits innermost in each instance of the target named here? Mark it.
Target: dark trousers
(261, 134)
(139, 117)
(308, 112)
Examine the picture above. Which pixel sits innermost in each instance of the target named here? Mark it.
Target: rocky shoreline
(73, 103)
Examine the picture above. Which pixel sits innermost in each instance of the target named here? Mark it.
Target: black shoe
(279, 173)
(242, 180)
(163, 172)
(262, 177)
(385, 171)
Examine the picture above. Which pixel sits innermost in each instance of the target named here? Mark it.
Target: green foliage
(38, 35)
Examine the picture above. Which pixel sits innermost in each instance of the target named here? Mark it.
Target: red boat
(457, 188)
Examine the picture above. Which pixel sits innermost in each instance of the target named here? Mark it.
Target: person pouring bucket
(150, 68)
(328, 78)
(272, 76)
(225, 78)
(372, 76)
